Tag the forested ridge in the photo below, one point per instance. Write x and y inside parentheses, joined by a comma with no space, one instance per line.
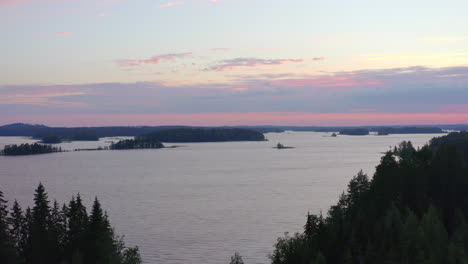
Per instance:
(414,210)
(60,234)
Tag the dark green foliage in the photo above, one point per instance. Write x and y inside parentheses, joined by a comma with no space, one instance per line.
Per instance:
(413,211)
(51,140)
(7,249)
(138,143)
(409,130)
(236,259)
(53,235)
(204,135)
(354,131)
(28,149)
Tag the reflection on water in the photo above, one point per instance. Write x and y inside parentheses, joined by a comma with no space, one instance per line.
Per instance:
(201,202)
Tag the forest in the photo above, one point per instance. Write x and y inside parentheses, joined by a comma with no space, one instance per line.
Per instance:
(60,234)
(138,143)
(413,210)
(354,131)
(28,149)
(203,135)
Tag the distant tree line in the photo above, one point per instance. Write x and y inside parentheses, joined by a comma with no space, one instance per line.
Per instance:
(203,135)
(54,234)
(138,143)
(51,140)
(413,211)
(354,131)
(29,149)
(409,130)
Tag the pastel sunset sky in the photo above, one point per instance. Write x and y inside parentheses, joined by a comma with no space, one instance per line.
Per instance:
(233,62)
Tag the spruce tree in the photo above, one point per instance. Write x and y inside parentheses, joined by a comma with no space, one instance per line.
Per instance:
(99,238)
(18,230)
(77,225)
(40,242)
(7,250)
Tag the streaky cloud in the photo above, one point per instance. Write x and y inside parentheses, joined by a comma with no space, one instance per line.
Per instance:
(250,62)
(154,59)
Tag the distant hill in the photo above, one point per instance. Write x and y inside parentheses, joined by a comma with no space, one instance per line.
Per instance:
(204,135)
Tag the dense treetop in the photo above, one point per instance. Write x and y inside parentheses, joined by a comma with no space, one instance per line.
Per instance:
(49,233)
(28,149)
(414,210)
(138,143)
(354,131)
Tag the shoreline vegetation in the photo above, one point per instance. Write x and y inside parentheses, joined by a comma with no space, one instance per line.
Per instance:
(94,133)
(413,210)
(55,233)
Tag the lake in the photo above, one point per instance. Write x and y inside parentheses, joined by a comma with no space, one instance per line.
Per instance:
(201,202)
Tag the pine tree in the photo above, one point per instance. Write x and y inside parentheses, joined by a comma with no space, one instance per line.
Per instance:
(236,259)
(40,244)
(76,226)
(57,230)
(18,229)
(7,250)
(101,245)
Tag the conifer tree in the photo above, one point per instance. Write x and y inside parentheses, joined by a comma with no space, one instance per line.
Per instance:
(18,230)
(40,236)
(7,250)
(76,226)
(99,238)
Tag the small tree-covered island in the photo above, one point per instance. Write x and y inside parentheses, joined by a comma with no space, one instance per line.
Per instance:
(28,149)
(60,234)
(414,210)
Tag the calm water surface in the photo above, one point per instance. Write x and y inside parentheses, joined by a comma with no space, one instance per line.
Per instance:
(202,201)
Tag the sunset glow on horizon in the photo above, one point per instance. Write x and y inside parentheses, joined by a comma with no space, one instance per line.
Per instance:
(233,62)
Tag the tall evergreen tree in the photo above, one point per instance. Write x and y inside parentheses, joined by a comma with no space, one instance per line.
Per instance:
(100,247)
(7,250)
(40,235)
(18,230)
(76,226)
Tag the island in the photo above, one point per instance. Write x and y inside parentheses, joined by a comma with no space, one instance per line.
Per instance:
(137,143)
(184,135)
(28,149)
(354,132)
(281,146)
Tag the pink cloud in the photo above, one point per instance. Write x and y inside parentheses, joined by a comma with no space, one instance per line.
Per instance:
(318,58)
(63,34)
(154,59)
(171,4)
(250,62)
(104,14)
(12,2)
(325,81)
(455,108)
(43,96)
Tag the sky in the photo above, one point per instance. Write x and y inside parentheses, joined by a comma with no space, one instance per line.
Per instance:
(233,62)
